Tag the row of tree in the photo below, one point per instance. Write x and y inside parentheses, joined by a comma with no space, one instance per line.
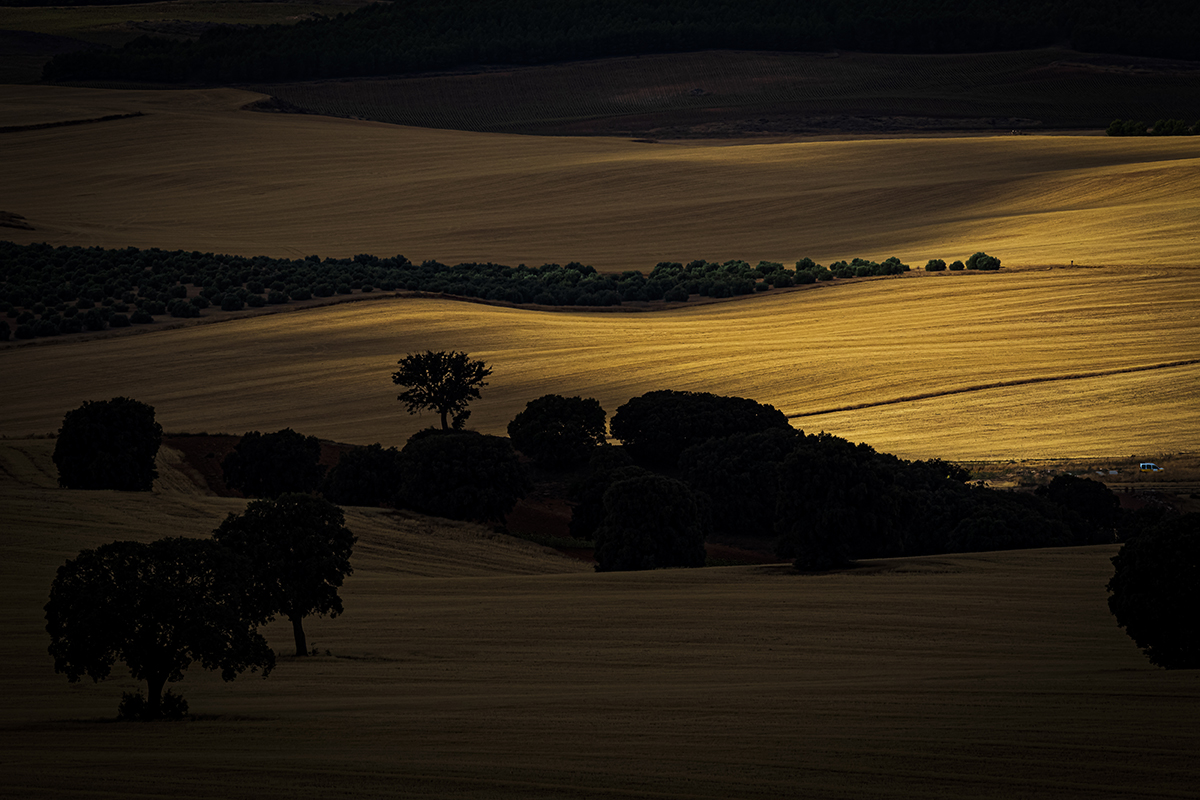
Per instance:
(422,35)
(47,291)
(1163,127)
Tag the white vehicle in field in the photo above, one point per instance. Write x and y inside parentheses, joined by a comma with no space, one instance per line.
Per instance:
(1147,466)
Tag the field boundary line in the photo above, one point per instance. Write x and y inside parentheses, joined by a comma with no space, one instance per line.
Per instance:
(997,385)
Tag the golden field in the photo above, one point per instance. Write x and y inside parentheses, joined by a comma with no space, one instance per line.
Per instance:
(1056,345)
(197,173)
(469,665)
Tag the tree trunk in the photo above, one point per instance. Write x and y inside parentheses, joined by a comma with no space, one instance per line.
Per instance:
(298,631)
(154,687)
(445,424)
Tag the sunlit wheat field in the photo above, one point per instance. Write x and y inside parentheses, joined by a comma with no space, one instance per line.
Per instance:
(1052,363)
(470,665)
(198,173)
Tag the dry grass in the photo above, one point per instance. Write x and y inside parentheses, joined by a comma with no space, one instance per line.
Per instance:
(327,372)
(197,173)
(457,672)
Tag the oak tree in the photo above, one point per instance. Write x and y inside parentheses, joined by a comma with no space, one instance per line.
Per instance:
(441,381)
(158,607)
(298,548)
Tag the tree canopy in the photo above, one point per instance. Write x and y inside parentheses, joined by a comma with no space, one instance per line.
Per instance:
(650,522)
(658,426)
(158,607)
(557,431)
(271,464)
(1156,592)
(461,475)
(441,381)
(108,444)
(298,548)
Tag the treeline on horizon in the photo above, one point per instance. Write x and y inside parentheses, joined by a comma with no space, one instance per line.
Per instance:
(49,290)
(407,36)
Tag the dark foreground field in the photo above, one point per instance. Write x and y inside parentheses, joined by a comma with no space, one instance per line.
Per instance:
(471,665)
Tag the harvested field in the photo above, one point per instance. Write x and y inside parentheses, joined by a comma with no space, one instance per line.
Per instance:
(474,667)
(198,173)
(1083,362)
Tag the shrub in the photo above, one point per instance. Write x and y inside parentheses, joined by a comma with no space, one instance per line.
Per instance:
(271,464)
(139,317)
(676,294)
(461,475)
(650,522)
(935,265)
(118,321)
(231,302)
(956,266)
(108,444)
(982,261)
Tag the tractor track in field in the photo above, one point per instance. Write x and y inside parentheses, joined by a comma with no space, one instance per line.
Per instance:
(996,385)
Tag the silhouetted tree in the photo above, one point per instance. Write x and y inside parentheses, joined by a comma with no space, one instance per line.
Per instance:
(657,426)
(444,382)
(608,466)
(650,522)
(461,475)
(298,548)
(108,444)
(270,464)
(1156,592)
(364,476)
(158,607)
(557,431)
(739,475)
(1092,502)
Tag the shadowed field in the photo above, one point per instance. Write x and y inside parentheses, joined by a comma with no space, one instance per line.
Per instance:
(725,93)
(500,671)
(197,173)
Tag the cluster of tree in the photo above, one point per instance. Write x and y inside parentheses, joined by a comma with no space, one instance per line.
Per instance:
(1163,127)
(49,291)
(161,606)
(977,261)
(819,499)
(423,35)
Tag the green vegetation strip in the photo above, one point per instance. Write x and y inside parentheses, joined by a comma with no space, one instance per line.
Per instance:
(49,291)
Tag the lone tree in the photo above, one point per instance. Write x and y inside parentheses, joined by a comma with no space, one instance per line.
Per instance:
(441,381)
(108,444)
(461,475)
(650,522)
(1156,592)
(557,431)
(271,464)
(158,607)
(298,549)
